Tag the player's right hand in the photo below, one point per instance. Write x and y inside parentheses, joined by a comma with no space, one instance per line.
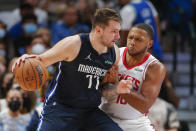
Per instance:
(124,86)
(21,59)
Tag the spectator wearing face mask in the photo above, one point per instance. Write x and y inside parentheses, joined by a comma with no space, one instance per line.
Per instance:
(46,36)
(13,120)
(15,31)
(29,26)
(37,45)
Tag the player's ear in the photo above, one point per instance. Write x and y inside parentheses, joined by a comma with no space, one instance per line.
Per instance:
(98,29)
(150,44)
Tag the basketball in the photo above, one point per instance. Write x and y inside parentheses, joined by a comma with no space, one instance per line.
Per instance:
(31,74)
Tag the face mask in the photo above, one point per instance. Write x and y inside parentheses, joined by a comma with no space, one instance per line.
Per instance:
(14,105)
(2,52)
(38,49)
(51,69)
(30,28)
(2,33)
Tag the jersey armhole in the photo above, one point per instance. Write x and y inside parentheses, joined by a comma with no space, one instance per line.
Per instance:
(146,67)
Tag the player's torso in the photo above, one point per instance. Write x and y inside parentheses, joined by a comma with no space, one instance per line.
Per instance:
(119,107)
(77,82)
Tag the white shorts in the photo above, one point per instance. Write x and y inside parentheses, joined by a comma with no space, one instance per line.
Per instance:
(138,124)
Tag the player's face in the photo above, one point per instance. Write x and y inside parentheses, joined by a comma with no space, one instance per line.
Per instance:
(110,33)
(14,95)
(138,42)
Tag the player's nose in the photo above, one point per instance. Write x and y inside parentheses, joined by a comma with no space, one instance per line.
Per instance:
(117,36)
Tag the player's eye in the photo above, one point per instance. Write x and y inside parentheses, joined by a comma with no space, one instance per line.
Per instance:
(138,39)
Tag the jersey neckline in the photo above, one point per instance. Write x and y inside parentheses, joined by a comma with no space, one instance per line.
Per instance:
(131,67)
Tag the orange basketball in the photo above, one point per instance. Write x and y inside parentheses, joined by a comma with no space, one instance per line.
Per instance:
(31,74)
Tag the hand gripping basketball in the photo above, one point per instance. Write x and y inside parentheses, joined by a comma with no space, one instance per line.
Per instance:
(29,72)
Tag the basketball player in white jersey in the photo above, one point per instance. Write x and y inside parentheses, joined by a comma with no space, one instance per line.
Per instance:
(147,74)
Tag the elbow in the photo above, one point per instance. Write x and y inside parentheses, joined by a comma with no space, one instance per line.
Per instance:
(144,109)
(145,106)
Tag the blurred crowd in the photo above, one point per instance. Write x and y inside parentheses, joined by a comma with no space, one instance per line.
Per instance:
(36,25)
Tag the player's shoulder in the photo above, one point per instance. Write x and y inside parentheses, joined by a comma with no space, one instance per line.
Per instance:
(74,38)
(72,41)
(157,67)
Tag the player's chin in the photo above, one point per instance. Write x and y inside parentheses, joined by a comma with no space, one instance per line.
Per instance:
(111,44)
(131,52)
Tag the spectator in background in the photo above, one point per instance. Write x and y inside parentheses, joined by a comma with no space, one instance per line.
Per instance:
(53,7)
(8,51)
(164,116)
(168,93)
(86,9)
(2,30)
(6,83)
(46,36)
(3,52)
(140,11)
(42,16)
(37,45)
(68,25)
(106,3)
(16,30)
(13,120)
(13,17)
(29,26)
(10,64)
(179,15)
(29,102)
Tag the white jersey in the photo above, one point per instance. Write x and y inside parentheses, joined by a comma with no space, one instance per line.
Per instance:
(118,107)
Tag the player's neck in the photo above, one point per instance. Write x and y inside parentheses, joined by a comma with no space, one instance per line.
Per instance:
(135,60)
(95,42)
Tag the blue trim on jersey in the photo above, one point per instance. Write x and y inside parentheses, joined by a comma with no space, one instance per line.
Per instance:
(49,96)
(52,92)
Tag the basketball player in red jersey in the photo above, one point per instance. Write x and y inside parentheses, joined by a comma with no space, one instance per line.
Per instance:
(147,74)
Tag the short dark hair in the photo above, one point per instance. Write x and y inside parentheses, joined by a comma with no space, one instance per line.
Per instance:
(103,15)
(27,6)
(27,17)
(147,28)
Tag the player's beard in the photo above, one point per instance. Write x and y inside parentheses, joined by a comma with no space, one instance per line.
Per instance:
(139,52)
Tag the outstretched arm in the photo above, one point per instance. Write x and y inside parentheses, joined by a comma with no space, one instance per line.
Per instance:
(65,50)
